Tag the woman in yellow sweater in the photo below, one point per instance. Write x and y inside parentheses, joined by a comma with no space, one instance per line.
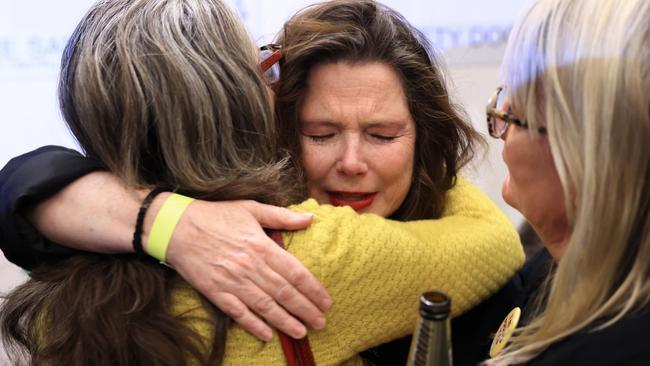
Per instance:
(118,69)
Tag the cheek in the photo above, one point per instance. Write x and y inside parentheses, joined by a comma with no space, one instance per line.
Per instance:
(316,161)
(308,160)
(506,154)
(551,186)
(401,186)
(542,202)
(312,168)
(397,171)
(533,186)
(521,155)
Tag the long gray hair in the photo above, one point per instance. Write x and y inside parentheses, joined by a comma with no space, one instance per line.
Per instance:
(169,93)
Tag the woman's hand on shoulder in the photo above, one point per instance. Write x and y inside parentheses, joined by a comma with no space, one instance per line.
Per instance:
(221,249)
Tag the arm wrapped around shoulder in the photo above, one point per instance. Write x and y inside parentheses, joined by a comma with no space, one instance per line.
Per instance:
(375,269)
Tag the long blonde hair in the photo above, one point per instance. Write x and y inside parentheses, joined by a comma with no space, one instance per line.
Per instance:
(582,69)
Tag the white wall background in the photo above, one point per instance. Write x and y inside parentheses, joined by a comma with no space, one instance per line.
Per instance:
(470,34)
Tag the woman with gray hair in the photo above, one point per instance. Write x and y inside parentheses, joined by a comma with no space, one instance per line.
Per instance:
(575,119)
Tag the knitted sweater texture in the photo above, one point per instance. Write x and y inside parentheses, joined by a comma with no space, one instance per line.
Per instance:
(375,269)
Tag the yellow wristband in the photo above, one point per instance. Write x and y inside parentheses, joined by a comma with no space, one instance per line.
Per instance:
(164,225)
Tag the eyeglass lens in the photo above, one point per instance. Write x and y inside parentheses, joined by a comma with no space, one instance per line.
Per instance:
(501,98)
(498,125)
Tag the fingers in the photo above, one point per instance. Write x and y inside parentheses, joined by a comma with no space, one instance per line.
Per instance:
(239,312)
(244,301)
(291,299)
(277,317)
(271,295)
(295,273)
(279,218)
(295,288)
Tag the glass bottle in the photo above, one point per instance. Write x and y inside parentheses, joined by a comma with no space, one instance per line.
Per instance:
(431,344)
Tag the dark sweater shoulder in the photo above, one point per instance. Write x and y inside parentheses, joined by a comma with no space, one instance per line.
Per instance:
(473,331)
(625,342)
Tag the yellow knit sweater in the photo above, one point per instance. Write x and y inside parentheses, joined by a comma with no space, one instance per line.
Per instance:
(375,269)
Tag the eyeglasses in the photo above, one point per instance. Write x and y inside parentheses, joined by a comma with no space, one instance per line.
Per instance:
(498,119)
(270,56)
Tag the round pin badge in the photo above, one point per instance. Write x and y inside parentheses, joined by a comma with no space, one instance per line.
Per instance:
(504,333)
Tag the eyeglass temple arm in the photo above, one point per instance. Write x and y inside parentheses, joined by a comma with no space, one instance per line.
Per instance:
(271,60)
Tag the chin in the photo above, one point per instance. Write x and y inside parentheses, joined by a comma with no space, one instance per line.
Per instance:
(370,210)
(506,193)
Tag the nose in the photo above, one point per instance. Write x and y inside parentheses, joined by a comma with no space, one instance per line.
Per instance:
(352,160)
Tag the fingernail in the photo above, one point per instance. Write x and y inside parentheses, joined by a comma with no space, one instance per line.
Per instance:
(320,323)
(267,335)
(326,303)
(299,332)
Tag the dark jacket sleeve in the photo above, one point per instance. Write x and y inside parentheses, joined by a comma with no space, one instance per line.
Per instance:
(25,181)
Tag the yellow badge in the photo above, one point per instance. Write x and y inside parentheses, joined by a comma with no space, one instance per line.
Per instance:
(505,331)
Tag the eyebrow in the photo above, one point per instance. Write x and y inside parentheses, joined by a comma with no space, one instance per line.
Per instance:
(370,124)
(317,122)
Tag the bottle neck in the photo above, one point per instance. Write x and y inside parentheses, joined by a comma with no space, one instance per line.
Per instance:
(431,344)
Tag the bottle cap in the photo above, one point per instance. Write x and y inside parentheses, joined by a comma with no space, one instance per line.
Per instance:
(435,305)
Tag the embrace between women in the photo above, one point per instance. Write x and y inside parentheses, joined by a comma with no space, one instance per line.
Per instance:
(359,100)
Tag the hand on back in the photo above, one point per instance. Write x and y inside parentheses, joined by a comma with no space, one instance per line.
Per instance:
(221,249)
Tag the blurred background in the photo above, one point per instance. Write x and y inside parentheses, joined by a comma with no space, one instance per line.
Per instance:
(470,36)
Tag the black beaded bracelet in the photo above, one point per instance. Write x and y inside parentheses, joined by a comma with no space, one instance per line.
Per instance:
(137,234)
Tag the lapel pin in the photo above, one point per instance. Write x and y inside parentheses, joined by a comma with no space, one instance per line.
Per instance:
(504,333)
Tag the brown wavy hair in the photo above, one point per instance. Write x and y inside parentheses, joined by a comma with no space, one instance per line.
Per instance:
(163,93)
(365,31)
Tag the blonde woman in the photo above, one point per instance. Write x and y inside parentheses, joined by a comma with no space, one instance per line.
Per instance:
(169,94)
(575,119)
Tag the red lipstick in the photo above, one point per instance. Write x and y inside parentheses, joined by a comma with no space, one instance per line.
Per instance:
(357,200)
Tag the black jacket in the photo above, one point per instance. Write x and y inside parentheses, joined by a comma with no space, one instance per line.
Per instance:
(626,342)
(26,180)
